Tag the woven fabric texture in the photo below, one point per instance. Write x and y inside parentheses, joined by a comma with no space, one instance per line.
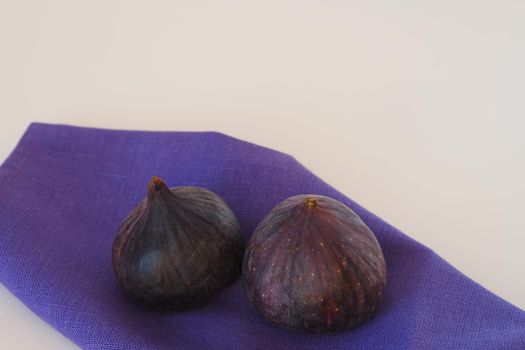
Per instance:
(64,190)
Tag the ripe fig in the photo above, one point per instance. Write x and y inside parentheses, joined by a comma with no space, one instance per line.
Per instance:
(312,264)
(177,248)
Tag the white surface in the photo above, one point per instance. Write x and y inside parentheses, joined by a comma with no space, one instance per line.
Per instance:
(413,108)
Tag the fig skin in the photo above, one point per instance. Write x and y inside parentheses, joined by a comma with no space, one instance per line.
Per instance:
(177,248)
(313,265)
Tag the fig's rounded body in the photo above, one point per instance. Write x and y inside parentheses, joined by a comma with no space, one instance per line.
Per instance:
(177,248)
(312,264)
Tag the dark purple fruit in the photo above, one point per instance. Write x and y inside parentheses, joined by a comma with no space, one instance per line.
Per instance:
(177,248)
(312,264)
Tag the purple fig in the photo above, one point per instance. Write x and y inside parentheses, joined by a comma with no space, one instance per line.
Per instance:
(177,248)
(312,264)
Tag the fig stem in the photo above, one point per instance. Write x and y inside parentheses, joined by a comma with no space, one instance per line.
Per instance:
(156,183)
(310,203)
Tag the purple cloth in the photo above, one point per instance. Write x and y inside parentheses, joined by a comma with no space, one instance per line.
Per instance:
(64,191)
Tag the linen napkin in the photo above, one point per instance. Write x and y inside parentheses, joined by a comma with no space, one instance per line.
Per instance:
(64,190)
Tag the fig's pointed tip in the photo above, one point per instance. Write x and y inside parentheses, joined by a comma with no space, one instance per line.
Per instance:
(156,184)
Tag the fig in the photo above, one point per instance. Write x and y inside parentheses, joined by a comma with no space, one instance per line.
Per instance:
(177,248)
(312,264)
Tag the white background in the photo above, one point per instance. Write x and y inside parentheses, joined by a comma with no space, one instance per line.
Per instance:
(415,109)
